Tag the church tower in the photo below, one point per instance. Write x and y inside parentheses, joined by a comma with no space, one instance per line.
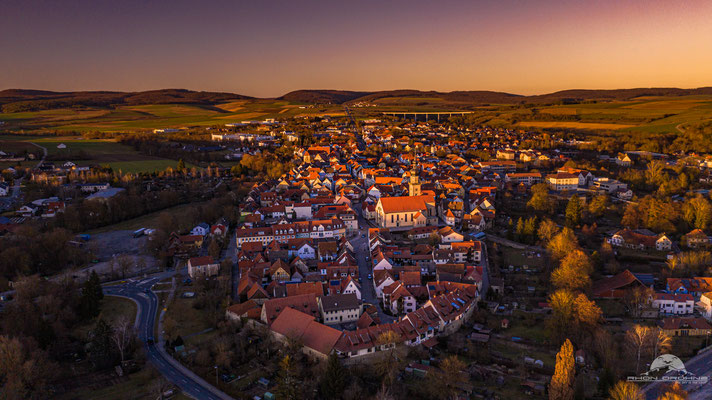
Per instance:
(414,184)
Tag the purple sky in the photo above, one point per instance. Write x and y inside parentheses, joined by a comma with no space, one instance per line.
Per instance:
(267,48)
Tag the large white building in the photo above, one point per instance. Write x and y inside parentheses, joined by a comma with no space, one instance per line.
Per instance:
(674,303)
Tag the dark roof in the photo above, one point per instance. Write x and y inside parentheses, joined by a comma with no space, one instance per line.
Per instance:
(336,302)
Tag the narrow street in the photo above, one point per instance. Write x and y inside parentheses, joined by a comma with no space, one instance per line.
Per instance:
(360,245)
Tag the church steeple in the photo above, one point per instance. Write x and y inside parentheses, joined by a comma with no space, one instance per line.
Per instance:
(414,184)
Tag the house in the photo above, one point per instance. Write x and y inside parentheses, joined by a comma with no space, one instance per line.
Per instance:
(563,181)
(609,185)
(249,309)
(623,160)
(296,289)
(318,340)
(674,326)
(615,287)
(280,271)
(340,308)
(305,303)
(398,299)
(202,266)
(525,178)
(695,286)
(201,229)
(218,229)
(92,187)
(448,235)
(705,305)
(640,240)
(344,286)
(696,239)
(674,303)
(381,279)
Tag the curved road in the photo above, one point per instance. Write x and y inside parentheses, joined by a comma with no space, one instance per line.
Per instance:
(147,306)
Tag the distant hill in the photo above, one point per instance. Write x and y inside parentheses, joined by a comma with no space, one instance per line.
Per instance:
(616,94)
(14,100)
(483,96)
(322,96)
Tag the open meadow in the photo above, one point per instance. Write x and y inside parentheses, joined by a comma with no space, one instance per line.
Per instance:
(132,118)
(84,152)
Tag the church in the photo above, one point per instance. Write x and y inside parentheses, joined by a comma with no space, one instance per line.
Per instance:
(407,212)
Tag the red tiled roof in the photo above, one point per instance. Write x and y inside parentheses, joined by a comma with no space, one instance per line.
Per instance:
(298,325)
(612,287)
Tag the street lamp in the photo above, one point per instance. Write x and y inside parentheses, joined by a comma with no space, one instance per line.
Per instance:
(216,375)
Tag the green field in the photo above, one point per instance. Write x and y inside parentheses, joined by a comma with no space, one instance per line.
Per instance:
(93,152)
(145,221)
(149,117)
(644,114)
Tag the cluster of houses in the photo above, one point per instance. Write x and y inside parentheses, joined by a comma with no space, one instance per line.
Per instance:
(310,313)
(675,307)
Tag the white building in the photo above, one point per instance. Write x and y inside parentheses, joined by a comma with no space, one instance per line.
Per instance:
(672,303)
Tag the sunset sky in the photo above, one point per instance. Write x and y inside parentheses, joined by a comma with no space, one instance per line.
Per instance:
(267,48)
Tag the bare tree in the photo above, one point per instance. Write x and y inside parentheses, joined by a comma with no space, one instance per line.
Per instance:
(638,339)
(123,335)
(159,386)
(125,263)
(661,342)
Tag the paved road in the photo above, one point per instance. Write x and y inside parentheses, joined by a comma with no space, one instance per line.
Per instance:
(147,304)
(231,253)
(7,202)
(360,245)
(700,365)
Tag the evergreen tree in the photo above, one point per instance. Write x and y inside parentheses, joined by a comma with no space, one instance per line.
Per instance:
(90,299)
(333,382)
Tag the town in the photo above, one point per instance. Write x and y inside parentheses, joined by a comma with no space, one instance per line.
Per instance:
(378,256)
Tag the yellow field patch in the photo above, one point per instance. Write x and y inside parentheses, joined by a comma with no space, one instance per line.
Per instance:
(241,117)
(170,110)
(233,105)
(559,110)
(673,105)
(572,125)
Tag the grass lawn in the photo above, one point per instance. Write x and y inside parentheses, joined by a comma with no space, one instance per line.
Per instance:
(189,320)
(139,166)
(145,221)
(139,385)
(74,144)
(518,328)
(519,258)
(112,308)
(13,164)
(517,354)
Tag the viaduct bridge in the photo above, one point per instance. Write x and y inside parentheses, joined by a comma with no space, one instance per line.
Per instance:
(427,115)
